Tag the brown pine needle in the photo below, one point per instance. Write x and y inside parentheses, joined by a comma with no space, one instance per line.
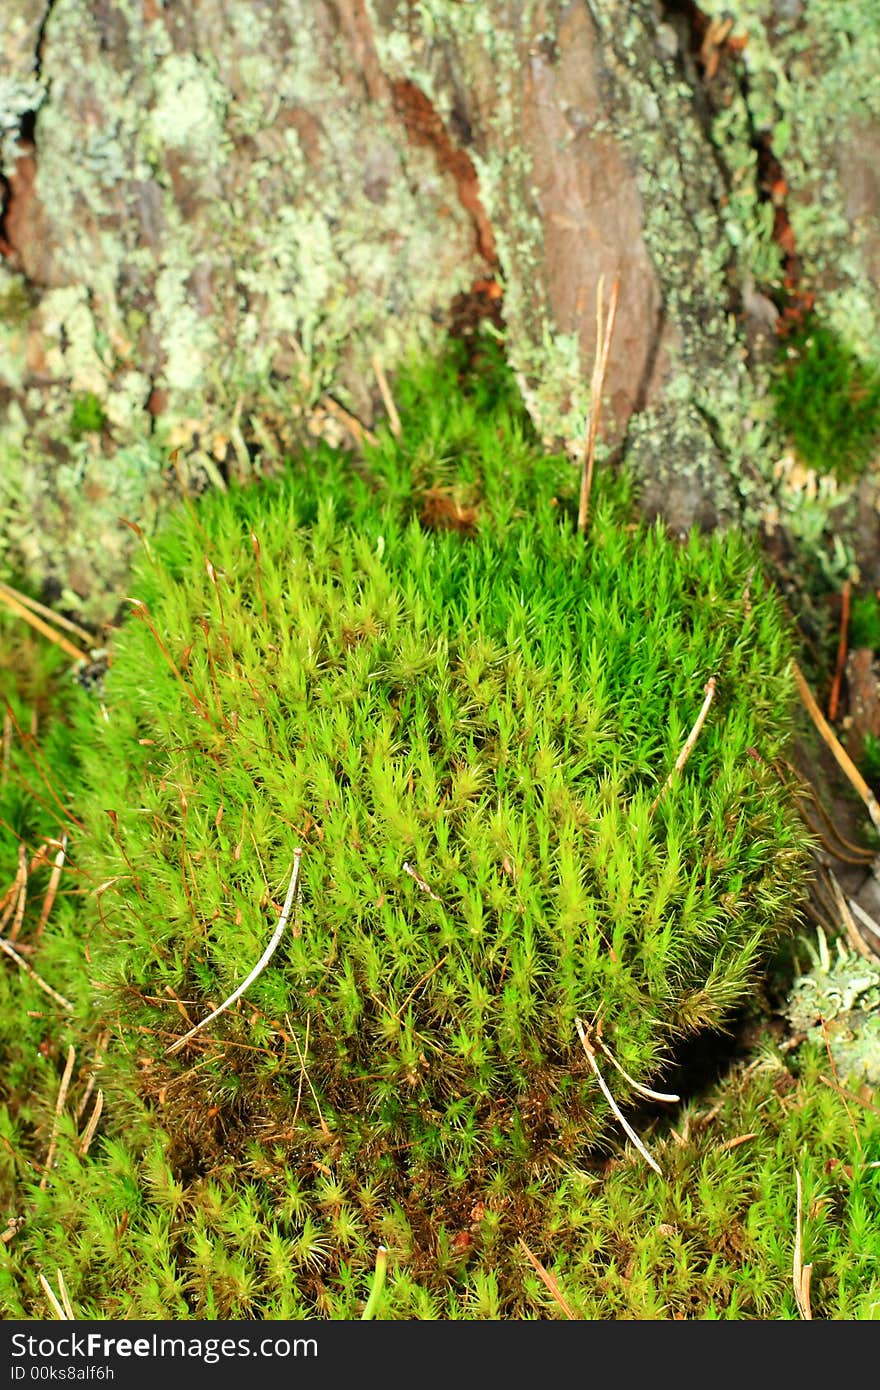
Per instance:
(61,1305)
(709,690)
(56,619)
(627,1128)
(849,1115)
(89,1131)
(52,889)
(50,1294)
(19,895)
(100,1047)
(844,761)
(801,1273)
(56,1118)
(548,1281)
(854,936)
(387,398)
(38,980)
(834,697)
(325,1129)
(738,1139)
(597,383)
(8,596)
(260,965)
(7,747)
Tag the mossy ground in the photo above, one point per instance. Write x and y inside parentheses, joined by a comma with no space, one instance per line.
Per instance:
(421,665)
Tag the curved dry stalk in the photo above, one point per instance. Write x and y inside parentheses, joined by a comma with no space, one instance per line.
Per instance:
(597,381)
(709,692)
(37,979)
(260,965)
(627,1128)
(52,889)
(56,619)
(56,1118)
(642,1090)
(12,600)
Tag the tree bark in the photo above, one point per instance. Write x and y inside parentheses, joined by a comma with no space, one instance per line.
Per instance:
(216,215)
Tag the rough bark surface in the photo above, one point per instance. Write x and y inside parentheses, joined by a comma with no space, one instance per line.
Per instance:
(215,215)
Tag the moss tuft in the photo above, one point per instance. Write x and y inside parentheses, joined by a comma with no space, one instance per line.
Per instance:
(87,415)
(828,401)
(465,729)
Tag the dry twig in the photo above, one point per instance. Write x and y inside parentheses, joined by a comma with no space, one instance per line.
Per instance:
(854,936)
(21,879)
(425,887)
(325,1129)
(61,1305)
(868,922)
(56,619)
(351,422)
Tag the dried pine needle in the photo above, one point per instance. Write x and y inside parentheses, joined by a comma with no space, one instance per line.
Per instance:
(627,1128)
(260,965)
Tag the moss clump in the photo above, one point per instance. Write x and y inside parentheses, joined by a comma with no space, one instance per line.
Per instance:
(828,401)
(864,623)
(87,415)
(465,731)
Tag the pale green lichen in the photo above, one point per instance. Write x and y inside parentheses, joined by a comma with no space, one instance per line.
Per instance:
(813,85)
(189,110)
(837,1003)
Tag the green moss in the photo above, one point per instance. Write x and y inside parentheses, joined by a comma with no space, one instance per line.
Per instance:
(496,710)
(495,702)
(828,401)
(864,622)
(87,415)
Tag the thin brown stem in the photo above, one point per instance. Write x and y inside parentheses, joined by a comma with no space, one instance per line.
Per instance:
(597,383)
(834,697)
(829,737)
